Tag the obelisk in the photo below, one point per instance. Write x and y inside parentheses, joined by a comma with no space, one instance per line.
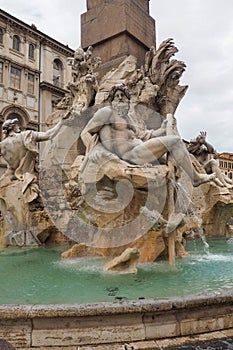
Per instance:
(117,28)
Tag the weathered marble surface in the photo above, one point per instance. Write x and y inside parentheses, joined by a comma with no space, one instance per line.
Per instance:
(84,179)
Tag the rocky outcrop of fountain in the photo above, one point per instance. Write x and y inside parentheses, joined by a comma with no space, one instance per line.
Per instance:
(111,176)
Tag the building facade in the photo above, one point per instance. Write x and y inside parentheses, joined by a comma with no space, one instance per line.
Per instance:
(225,161)
(33,74)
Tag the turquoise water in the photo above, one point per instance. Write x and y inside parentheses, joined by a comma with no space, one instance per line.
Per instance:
(39,275)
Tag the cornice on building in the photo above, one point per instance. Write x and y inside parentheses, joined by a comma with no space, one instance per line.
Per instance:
(52,88)
(32,30)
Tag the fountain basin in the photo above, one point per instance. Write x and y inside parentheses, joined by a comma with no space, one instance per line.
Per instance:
(142,323)
(55,314)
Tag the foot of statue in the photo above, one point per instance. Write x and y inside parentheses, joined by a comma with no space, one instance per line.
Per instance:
(218,182)
(221,184)
(228,185)
(203,178)
(228,180)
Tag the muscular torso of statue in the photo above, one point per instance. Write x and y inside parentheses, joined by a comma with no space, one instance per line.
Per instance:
(13,150)
(118,136)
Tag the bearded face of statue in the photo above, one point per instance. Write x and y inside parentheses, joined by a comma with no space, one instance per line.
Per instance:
(120,103)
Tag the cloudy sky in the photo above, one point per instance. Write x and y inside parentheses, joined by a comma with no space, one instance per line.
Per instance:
(203,32)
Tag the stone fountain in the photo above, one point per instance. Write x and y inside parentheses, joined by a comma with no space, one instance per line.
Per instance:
(113,168)
(115,179)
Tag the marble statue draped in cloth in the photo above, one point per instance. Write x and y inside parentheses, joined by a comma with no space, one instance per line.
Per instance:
(20,151)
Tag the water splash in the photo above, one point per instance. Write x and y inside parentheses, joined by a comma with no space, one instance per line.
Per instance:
(185,205)
(203,238)
(230,240)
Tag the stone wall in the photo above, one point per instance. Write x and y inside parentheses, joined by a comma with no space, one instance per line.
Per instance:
(145,324)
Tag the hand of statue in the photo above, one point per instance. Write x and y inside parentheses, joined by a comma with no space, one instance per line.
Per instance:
(95,156)
(203,133)
(171,120)
(164,124)
(67,114)
(68,117)
(202,137)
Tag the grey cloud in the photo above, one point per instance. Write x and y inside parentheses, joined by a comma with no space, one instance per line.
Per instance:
(203,31)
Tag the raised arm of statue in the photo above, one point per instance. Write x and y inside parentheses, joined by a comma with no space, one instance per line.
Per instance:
(19,148)
(196,145)
(49,134)
(209,147)
(100,118)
